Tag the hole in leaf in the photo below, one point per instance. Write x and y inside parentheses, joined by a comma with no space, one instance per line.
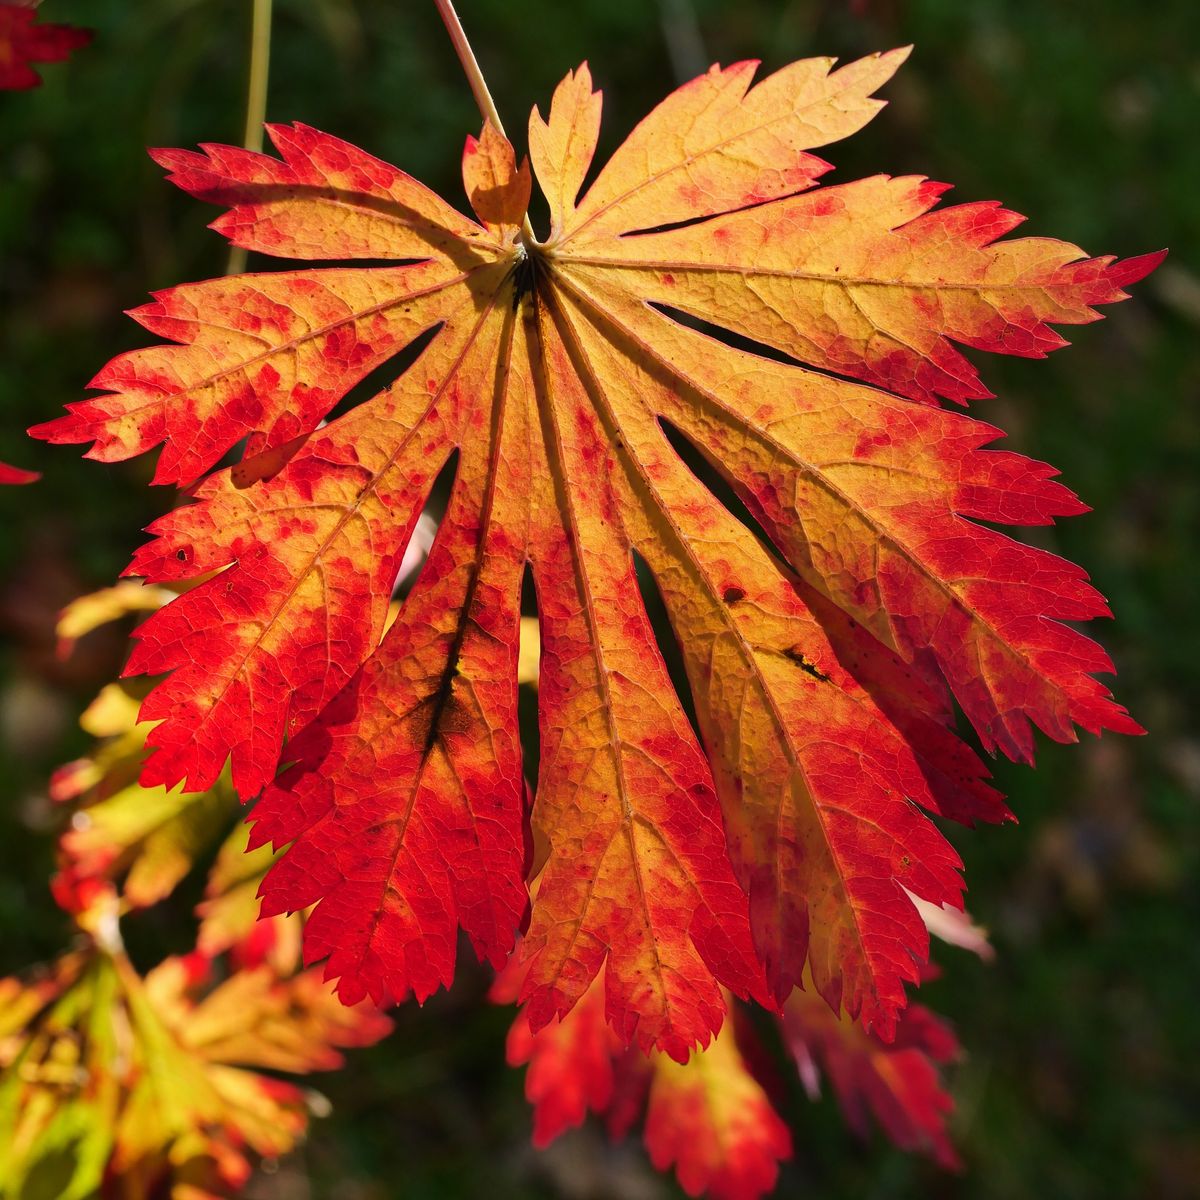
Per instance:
(258,263)
(710,476)
(420,541)
(539,213)
(688,222)
(527,694)
(384,375)
(739,341)
(664,636)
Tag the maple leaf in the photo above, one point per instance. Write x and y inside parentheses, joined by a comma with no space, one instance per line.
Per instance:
(706,332)
(23,41)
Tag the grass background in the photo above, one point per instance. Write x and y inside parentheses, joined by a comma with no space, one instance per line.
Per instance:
(1080,1077)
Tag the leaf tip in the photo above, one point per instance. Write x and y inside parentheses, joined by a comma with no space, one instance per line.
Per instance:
(17,475)
(1128,271)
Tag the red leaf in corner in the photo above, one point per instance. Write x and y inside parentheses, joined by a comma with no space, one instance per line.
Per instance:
(25,41)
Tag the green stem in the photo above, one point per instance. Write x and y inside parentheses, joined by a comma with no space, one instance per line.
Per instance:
(479,87)
(256,101)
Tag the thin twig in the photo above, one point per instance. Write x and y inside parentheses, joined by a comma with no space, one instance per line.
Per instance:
(256,102)
(685,42)
(470,65)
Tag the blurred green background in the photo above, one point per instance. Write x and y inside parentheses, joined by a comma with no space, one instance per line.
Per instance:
(1082,1074)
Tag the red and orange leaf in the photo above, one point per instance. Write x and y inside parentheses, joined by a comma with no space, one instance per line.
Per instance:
(25,41)
(898,1084)
(706,340)
(708,1118)
(571,1061)
(711,1120)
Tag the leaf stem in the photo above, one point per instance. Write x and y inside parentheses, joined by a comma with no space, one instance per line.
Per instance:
(256,101)
(470,65)
(479,87)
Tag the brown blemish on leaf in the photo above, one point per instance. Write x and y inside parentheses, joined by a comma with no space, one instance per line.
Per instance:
(796,655)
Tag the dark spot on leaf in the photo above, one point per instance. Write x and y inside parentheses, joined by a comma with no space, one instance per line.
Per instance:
(796,655)
(455,716)
(525,276)
(733,594)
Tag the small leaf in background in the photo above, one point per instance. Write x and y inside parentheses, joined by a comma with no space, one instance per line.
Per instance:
(89,612)
(145,839)
(897,1083)
(16,475)
(24,42)
(229,912)
(711,1120)
(115,1085)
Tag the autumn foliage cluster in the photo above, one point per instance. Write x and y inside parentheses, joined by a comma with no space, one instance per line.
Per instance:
(715,386)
